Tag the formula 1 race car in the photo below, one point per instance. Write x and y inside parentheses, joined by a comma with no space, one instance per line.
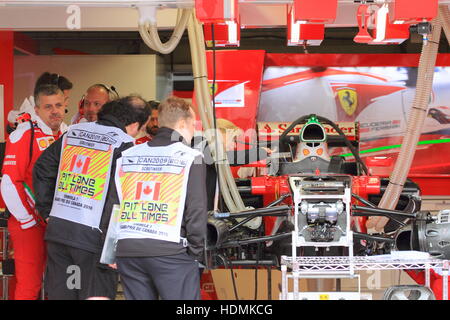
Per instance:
(318,204)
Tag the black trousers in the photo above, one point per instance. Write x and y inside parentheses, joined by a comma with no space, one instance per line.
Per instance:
(174,277)
(76,274)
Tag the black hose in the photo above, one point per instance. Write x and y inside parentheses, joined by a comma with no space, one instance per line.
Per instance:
(365,236)
(367,211)
(272,204)
(361,199)
(283,210)
(366,214)
(347,142)
(238,243)
(258,252)
(230,265)
(279,200)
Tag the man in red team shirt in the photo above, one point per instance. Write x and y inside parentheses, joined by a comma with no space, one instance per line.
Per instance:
(23,148)
(152,124)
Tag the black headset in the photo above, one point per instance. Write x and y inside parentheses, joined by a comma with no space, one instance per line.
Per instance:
(112,92)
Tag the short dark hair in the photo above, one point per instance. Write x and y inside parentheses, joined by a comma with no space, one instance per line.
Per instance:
(154,104)
(46,90)
(127,110)
(172,110)
(55,79)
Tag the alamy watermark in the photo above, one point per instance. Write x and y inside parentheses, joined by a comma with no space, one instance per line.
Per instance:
(73,21)
(73,281)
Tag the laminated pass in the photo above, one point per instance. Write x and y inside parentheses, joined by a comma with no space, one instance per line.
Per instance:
(109,248)
(151,183)
(84,172)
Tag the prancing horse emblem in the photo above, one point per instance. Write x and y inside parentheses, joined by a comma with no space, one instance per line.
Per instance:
(348,99)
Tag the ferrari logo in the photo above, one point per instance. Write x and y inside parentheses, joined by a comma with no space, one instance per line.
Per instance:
(211,90)
(348,98)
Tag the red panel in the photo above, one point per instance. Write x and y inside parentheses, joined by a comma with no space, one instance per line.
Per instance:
(432,184)
(363,35)
(312,31)
(214,11)
(221,37)
(413,11)
(397,31)
(311,11)
(183,94)
(238,85)
(209,10)
(25,44)
(346,60)
(7,70)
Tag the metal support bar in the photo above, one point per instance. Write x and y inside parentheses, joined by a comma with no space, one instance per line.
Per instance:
(284,210)
(445,271)
(237,243)
(252,263)
(284,282)
(357,210)
(5,279)
(365,236)
(269,283)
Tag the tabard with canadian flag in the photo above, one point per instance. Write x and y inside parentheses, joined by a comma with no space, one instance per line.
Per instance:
(148,190)
(152,190)
(85,171)
(80,163)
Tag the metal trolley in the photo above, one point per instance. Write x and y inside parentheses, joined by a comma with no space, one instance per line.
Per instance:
(345,267)
(4,255)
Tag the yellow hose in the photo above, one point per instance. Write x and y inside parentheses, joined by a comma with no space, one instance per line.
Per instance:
(149,33)
(228,186)
(416,119)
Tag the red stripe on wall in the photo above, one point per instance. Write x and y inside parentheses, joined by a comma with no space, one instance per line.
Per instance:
(7,70)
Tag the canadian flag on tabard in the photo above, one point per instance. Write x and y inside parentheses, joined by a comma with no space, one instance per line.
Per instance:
(80,164)
(148,190)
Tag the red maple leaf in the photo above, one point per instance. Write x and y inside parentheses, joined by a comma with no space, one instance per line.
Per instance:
(147,190)
(79,163)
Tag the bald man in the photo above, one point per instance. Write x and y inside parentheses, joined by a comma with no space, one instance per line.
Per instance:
(96,96)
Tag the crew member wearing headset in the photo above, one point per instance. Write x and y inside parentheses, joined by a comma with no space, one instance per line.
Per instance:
(96,96)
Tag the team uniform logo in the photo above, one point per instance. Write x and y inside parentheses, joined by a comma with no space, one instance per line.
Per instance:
(148,190)
(348,98)
(80,164)
(45,142)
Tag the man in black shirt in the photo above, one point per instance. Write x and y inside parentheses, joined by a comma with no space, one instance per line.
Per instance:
(75,193)
(159,247)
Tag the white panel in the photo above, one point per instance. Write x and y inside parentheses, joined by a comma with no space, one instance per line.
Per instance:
(92,19)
